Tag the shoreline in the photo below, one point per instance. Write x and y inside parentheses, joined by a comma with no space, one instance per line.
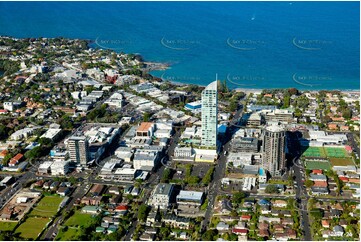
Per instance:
(161,66)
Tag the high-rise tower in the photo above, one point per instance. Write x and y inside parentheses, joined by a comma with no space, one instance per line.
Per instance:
(209,115)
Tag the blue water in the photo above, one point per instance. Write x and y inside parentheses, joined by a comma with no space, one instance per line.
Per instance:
(307,45)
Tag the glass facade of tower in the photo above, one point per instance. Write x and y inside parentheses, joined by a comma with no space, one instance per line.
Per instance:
(209,115)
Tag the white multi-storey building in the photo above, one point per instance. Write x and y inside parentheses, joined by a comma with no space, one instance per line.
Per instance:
(209,115)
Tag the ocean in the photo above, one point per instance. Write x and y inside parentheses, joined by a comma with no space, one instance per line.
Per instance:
(306,45)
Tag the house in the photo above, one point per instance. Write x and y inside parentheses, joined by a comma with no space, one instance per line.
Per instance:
(338,230)
(246,218)
(332,126)
(94,201)
(99,230)
(147,237)
(221,226)
(240,231)
(325,223)
(121,209)
(287,221)
(91,209)
(16,159)
(279,203)
(176,222)
(278,228)
(97,190)
(263,233)
(114,190)
(63,191)
(152,218)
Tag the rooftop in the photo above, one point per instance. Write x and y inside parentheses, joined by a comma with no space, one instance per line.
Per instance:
(190,195)
(144,126)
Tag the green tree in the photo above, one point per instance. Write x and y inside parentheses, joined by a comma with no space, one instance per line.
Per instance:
(309,183)
(237,197)
(146,117)
(210,235)
(271,189)
(143,212)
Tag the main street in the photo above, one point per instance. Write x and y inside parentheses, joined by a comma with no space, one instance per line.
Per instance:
(220,169)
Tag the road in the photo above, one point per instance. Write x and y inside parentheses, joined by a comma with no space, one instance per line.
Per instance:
(79,192)
(220,169)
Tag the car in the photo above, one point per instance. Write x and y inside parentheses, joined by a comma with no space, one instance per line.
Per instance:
(225,153)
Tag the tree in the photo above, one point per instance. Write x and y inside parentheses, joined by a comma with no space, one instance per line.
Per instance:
(271,189)
(209,235)
(166,175)
(146,117)
(143,212)
(208,176)
(309,183)
(317,213)
(347,113)
(237,197)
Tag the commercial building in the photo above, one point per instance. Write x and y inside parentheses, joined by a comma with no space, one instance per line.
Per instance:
(189,199)
(245,144)
(161,196)
(145,159)
(51,134)
(78,147)
(146,129)
(60,168)
(209,115)
(280,115)
(194,106)
(274,145)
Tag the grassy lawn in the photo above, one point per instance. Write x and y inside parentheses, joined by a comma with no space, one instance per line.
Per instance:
(67,235)
(341,161)
(32,227)
(47,206)
(78,219)
(7,226)
(311,165)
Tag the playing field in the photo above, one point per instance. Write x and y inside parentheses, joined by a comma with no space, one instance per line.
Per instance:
(67,235)
(46,207)
(314,152)
(313,165)
(341,161)
(31,228)
(7,226)
(79,219)
(336,152)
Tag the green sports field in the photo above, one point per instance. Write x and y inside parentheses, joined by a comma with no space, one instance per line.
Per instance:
(314,152)
(313,165)
(325,152)
(31,228)
(336,152)
(47,206)
(7,226)
(78,219)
